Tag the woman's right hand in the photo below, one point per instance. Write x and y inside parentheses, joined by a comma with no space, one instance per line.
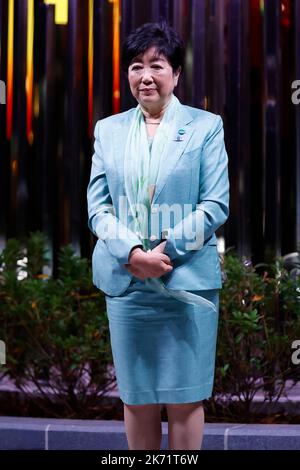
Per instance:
(148,264)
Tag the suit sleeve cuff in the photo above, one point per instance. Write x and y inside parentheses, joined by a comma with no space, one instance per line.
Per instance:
(124,259)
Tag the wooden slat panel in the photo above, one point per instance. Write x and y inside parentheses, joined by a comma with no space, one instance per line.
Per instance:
(271,104)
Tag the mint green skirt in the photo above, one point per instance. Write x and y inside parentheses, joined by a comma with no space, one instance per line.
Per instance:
(163,349)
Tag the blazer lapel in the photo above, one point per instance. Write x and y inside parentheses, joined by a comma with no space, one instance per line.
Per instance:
(175,148)
(120,132)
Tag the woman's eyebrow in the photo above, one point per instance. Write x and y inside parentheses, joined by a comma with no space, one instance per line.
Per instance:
(154,59)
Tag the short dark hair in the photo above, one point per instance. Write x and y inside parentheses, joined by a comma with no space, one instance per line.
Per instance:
(160,35)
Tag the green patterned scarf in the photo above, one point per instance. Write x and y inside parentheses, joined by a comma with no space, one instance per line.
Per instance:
(141,169)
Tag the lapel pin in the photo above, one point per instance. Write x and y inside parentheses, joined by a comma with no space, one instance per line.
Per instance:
(180,134)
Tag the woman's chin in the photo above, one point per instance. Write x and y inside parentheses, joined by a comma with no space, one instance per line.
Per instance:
(149,96)
(149,99)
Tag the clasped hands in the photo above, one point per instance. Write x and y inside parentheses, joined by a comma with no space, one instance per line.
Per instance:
(154,263)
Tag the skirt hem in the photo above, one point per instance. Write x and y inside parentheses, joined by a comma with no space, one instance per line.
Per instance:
(181,395)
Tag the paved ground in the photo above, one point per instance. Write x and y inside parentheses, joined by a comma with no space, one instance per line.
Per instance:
(52,434)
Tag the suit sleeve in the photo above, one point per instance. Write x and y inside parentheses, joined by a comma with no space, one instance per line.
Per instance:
(102,220)
(213,208)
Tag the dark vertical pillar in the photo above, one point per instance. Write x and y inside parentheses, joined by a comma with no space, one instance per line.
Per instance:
(19,161)
(218,101)
(180,24)
(198,34)
(160,10)
(256,77)
(4,147)
(127,25)
(187,75)
(141,12)
(238,126)
(83,129)
(103,59)
(76,118)
(48,182)
(271,158)
(297,58)
(214,60)
(287,132)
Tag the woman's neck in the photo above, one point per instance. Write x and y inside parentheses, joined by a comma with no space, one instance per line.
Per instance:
(155,114)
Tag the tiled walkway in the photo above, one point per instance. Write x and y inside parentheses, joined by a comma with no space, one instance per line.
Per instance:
(57,434)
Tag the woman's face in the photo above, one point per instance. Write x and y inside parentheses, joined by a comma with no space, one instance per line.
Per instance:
(151,79)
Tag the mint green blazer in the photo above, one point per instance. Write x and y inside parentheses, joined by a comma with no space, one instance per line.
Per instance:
(194,174)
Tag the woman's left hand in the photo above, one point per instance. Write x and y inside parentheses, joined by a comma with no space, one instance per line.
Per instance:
(136,272)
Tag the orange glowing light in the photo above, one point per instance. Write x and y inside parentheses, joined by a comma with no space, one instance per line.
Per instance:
(116,55)
(10,69)
(14,167)
(29,70)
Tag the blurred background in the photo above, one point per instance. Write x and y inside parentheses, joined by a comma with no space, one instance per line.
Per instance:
(60,61)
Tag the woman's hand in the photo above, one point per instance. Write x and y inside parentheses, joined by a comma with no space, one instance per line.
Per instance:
(152,263)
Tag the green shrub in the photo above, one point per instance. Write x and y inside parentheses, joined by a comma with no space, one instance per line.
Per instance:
(259,320)
(56,330)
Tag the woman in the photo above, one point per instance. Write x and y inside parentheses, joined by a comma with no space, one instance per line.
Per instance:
(157,193)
